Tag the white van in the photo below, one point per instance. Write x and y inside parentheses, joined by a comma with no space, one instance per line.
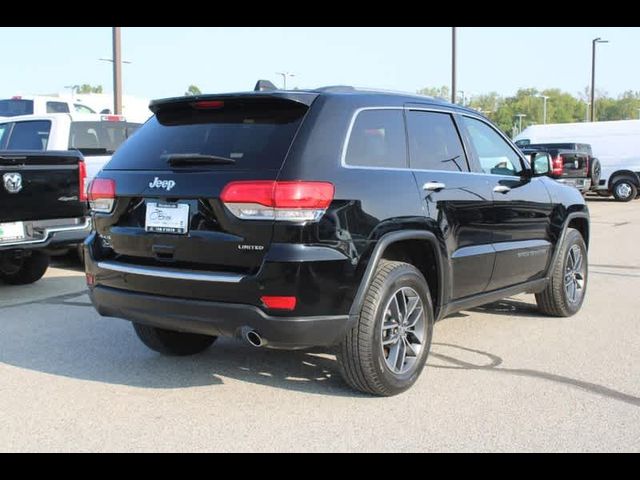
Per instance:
(616,144)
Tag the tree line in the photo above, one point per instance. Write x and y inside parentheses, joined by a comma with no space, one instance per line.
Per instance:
(562,107)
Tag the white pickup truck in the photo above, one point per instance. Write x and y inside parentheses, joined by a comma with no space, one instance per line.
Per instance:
(40,104)
(95,136)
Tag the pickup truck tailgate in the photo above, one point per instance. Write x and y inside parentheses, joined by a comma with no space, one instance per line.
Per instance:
(40,185)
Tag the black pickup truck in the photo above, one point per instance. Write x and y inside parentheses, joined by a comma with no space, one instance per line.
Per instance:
(569,163)
(42,208)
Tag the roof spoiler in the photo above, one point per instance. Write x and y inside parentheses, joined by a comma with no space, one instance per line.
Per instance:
(264,85)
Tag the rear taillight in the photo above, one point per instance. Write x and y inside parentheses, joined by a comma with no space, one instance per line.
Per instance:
(82,180)
(208,104)
(296,201)
(557,166)
(102,194)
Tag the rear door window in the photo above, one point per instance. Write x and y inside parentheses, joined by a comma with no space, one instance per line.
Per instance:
(96,138)
(434,143)
(57,107)
(250,133)
(13,107)
(33,135)
(378,140)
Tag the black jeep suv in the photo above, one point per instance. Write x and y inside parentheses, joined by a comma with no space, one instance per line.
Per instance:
(329,217)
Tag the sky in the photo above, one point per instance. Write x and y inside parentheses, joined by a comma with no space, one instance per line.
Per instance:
(165,61)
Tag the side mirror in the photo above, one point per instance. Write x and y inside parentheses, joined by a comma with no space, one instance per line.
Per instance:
(540,164)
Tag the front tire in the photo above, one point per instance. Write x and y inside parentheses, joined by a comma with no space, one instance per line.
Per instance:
(567,287)
(624,190)
(385,352)
(169,342)
(24,270)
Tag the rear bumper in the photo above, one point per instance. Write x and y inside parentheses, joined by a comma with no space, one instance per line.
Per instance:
(219,319)
(582,184)
(53,236)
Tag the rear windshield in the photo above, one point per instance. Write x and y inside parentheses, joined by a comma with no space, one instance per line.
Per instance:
(14,107)
(96,138)
(251,133)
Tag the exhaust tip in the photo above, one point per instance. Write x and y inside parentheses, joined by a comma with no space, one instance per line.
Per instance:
(254,338)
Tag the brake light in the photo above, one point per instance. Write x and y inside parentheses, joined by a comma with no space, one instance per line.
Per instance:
(279,303)
(208,104)
(16,97)
(271,200)
(102,194)
(82,179)
(112,118)
(557,166)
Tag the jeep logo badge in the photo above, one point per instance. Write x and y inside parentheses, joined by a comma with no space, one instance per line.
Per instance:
(166,184)
(12,182)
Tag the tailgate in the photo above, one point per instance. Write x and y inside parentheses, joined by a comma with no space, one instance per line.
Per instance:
(169,177)
(39,186)
(575,165)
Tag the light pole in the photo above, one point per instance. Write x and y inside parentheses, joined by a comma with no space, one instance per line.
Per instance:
(544,107)
(520,117)
(117,71)
(463,97)
(284,77)
(453,64)
(586,111)
(593,75)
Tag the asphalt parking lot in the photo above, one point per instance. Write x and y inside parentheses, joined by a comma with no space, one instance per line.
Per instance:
(499,378)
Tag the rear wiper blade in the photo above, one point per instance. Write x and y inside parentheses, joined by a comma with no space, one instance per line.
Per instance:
(175,159)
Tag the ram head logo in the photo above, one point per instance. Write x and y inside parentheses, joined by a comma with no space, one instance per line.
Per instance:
(12,182)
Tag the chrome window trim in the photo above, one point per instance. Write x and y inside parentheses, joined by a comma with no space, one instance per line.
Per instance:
(450,111)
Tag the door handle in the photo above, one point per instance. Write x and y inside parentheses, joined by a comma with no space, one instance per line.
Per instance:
(434,186)
(501,189)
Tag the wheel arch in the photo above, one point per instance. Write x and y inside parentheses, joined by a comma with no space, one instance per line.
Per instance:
(577,220)
(619,174)
(408,246)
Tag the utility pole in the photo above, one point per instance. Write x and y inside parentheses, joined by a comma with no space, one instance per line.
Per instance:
(117,72)
(453,65)
(593,75)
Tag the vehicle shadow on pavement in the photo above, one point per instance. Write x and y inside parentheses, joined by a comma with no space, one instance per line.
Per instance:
(78,344)
(509,307)
(449,360)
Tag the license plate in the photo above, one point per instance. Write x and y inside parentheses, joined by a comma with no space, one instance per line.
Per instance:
(167,217)
(10,232)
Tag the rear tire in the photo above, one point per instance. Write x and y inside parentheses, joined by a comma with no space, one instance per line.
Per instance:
(169,342)
(624,190)
(375,356)
(558,299)
(25,270)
